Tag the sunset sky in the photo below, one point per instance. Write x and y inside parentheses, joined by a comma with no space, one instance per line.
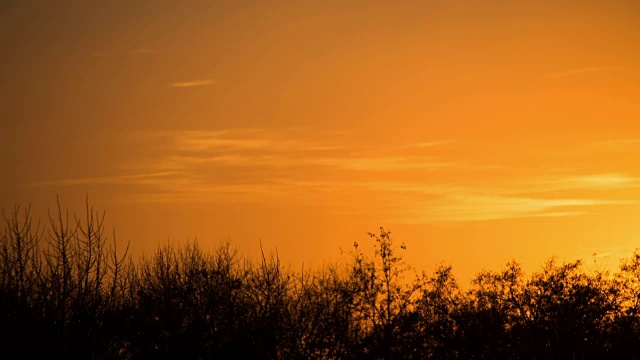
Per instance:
(476,131)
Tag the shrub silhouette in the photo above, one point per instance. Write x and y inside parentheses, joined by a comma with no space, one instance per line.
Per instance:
(60,285)
(66,291)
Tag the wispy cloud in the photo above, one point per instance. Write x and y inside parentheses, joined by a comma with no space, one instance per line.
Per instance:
(471,207)
(350,163)
(513,188)
(433,202)
(132,179)
(231,160)
(261,148)
(428,144)
(238,140)
(382,163)
(252,164)
(193,191)
(317,148)
(193,83)
(199,144)
(496,207)
(582,70)
(603,181)
(593,181)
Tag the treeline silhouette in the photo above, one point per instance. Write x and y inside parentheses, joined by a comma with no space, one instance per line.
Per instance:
(66,291)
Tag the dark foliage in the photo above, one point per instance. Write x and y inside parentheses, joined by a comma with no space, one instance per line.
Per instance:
(67,292)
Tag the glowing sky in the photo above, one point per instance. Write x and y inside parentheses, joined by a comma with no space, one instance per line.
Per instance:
(476,131)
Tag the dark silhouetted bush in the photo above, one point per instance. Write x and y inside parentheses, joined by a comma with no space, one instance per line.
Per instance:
(67,292)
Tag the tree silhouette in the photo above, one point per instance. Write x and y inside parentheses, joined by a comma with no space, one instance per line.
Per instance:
(66,291)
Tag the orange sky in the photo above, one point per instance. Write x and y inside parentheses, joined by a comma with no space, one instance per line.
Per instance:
(476,131)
